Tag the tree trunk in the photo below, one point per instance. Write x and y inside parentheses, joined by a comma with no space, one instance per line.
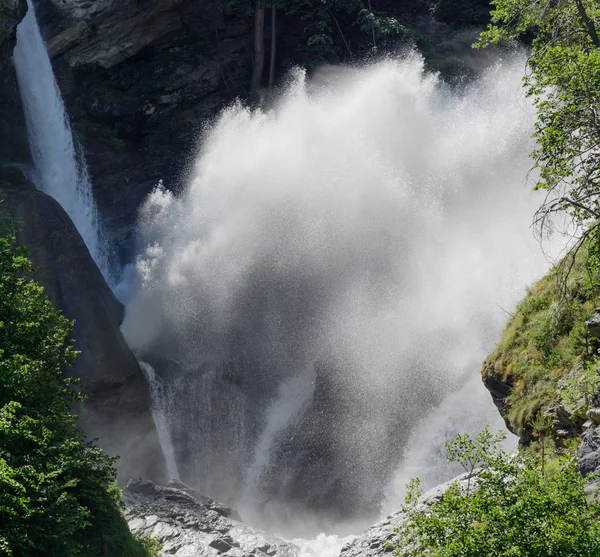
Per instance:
(373,28)
(259,47)
(273,44)
(591,28)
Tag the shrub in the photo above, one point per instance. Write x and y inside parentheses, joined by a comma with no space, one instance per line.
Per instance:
(517,508)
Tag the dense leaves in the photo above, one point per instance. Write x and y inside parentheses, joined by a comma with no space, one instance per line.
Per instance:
(514,509)
(58,495)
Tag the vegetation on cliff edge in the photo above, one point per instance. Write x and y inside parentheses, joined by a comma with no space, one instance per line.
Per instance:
(546,353)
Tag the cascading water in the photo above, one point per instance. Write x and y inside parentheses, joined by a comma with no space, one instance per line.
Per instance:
(60,170)
(360,237)
(160,413)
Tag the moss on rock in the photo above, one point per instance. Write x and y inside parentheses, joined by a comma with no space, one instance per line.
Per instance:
(547,360)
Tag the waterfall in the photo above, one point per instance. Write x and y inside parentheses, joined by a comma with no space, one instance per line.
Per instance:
(360,236)
(59,166)
(160,414)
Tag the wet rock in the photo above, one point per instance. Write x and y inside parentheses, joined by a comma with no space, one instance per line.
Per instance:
(118,397)
(594,415)
(189,524)
(593,323)
(312,461)
(11,13)
(139,79)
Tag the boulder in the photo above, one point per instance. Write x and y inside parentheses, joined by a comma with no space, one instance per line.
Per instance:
(593,323)
(594,415)
(117,409)
(191,525)
(588,452)
(564,423)
(588,460)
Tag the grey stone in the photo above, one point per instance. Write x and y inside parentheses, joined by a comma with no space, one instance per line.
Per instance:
(593,323)
(594,415)
(588,452)
(188,524)
(564,423)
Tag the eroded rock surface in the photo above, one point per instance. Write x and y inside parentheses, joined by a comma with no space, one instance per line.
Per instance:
(139,80)
(190,525)
(588,459)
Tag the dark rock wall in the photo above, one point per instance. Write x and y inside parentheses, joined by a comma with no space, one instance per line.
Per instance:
(14,146)
(117,409)
(140,79)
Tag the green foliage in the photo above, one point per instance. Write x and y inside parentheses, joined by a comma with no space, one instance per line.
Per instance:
(546,353)
(516,510)
(563,82)
(58,495)
(470,453)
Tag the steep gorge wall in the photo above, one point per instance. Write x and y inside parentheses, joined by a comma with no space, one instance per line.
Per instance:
(13,135)
(547,364)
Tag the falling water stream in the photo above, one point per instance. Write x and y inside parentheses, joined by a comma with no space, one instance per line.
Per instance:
(59,165)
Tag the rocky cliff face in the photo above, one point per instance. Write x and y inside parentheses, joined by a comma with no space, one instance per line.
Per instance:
(139,80)
(118,398)
(117,410)
(545,364)
(13,135)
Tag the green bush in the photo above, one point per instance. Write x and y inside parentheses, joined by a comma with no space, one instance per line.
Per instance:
(516,508)
(58,495)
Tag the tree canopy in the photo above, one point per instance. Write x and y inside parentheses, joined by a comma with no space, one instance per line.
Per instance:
(58,495)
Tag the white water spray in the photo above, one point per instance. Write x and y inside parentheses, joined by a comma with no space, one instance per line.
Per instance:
(292,398)
(373,222)
(60,170)
(465,411)
(160,414)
